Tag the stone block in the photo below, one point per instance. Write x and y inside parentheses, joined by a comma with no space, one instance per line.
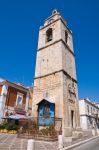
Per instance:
(97,131)
(77,134)
(67,132)
(94,133)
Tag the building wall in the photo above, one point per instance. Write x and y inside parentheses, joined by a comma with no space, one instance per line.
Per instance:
(83,122)
(9,100)
(68,62)
(89,114)
(70,98)
(49,60)
(82,107)
(12,96)
(2,100)
(0,89)
(46,88)
(30,100)
(69,41)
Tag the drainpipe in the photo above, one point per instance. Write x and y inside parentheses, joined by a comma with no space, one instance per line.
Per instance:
(27,101)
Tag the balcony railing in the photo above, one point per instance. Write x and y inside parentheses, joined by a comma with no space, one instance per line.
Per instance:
(20,109)
(94,114)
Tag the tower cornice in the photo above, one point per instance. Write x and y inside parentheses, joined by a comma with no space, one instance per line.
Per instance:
(60,40)
(55,73)
(41,28)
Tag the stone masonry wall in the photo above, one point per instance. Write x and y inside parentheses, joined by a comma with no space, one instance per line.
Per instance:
(49,85)
(49,60)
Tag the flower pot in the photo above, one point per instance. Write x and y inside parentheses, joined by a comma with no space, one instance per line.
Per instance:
(10,131)
(5,131)
(1,130)
(14,131)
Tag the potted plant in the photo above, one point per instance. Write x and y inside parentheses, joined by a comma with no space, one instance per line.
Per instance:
(3,127)
(15,128)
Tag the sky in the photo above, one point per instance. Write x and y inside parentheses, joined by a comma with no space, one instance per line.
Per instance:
(19,26)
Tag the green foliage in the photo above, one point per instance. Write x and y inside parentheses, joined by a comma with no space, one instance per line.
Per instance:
(50,130)
(15,127)
(35,125)
(6,125)
(51,127)
(1,126)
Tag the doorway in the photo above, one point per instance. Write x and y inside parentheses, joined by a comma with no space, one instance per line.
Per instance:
(72,118)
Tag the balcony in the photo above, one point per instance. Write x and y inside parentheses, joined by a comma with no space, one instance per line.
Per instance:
(95,115)
(20,109)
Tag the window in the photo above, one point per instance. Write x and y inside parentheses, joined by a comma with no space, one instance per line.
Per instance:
(72,84)
(91,110)
(49,35)
(19,99)
(88,109)
(66,37)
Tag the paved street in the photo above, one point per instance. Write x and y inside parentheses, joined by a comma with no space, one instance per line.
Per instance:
(92,145)
(11,142)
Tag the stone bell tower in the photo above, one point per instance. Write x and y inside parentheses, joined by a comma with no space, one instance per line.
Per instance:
(55,74)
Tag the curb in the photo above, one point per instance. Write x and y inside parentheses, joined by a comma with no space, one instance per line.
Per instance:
(80,143)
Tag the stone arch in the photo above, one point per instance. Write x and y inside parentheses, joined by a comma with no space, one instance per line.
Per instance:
(49,35)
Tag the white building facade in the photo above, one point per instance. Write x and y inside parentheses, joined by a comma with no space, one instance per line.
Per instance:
(89,114)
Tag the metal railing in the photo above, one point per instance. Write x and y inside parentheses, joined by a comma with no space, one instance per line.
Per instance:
(30,128)
(20,109)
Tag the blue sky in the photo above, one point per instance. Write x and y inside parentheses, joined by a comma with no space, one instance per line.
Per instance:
(19,26)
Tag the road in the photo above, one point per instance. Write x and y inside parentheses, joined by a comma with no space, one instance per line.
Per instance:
(92,145)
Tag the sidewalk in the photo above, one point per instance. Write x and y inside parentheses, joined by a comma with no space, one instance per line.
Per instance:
(79,143)
(11,142)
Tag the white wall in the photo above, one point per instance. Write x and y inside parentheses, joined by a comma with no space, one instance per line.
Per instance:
(82,107)
(2,100)
(83,122)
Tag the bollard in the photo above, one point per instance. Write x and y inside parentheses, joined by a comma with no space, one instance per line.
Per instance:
(93,132)
(31,144)
(60,141)
(97,131)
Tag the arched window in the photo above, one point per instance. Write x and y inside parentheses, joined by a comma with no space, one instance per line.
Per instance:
(49,35)
(66,37)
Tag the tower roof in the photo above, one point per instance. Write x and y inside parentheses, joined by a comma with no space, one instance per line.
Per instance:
(55,11)
(54,17)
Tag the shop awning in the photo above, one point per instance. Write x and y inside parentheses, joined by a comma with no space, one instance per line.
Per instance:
(18,116)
